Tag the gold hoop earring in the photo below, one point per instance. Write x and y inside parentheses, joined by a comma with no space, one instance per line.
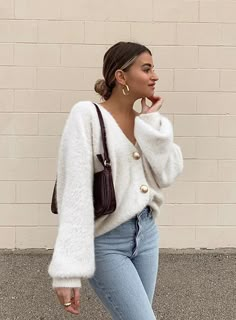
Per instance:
(127,90)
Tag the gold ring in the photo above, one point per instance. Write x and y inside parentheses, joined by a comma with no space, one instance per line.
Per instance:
(67,304)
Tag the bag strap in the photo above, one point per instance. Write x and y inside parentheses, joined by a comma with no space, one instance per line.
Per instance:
(106,161)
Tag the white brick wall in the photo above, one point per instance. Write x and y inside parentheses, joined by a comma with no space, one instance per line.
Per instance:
(50,56)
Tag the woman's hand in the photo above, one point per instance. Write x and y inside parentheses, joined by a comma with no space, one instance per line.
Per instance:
(69,295)
(157,102)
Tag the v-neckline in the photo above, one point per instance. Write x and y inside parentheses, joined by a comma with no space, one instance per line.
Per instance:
(114,120)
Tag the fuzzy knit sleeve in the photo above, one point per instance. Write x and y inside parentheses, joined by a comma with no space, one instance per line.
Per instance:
(154,134)
(73,256)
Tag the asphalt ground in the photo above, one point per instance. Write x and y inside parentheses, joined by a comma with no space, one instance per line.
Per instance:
(192,285)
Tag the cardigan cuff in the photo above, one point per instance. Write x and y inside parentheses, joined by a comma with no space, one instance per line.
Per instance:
(66,283)
(152,118)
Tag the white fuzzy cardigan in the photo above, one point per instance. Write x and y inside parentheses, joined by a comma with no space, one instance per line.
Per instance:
(160,163)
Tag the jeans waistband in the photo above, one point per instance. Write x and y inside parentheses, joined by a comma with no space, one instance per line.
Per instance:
(146,212)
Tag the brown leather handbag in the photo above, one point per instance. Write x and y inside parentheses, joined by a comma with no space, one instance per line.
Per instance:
(104,199)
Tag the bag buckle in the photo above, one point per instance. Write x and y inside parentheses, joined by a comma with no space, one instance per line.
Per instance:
(107,163)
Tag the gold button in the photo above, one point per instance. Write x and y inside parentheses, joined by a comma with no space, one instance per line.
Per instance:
(144,188)
(136,155)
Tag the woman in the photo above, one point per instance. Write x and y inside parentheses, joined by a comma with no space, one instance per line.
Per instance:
(118,252)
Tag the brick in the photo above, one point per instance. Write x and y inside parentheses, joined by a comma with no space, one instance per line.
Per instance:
(6,54)
(19,124)
(217,57)
(18,31)
(6,9)
(227,215)
(90,77)
(18,169)
(84,10)
(46,120)
(216,11)
(6,100)
(176,57)
(177,237)
(60,32)
(199,170)
(106,32)
(46,217)
(67,78)
(189,215)
(175,10)
(7,192)
(215,192)
(19,214)
(227,170)
(166,80)
(216,148)
(180,192)
(17,77)
(228,32)
(37,55)
(7,144)
(215,103)
(198,80)
(37,101)
(35,237)
(82,56)
(204,34)
(227,126)
(37,146)
(61,78)
(179,102)
(33,191)
(34,9)
(7,238)
(154,33)
(215,237)
(196,125)
(47,168)
(125,10)
(188,146)
(228,80)
(69,98)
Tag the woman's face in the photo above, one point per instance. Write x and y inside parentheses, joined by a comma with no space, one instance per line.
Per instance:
(141,77)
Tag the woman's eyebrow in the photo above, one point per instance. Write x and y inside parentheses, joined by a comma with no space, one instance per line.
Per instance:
(147,64)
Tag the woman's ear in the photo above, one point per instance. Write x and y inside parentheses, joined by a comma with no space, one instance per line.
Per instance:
(120,77)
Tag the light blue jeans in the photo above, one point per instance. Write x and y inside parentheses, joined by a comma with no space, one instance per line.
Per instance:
(126,268)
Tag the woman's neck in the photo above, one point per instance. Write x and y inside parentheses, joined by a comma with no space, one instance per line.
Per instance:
(119,104)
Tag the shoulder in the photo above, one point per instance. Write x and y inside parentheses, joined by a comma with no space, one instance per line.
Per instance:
(80,117)
(82,109)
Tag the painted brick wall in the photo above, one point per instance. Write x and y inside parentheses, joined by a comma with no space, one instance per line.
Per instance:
(50,56)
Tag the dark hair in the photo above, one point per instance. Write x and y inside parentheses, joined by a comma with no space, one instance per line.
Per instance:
(120,56)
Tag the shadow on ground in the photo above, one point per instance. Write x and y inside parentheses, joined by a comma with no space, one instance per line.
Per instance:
(192,285)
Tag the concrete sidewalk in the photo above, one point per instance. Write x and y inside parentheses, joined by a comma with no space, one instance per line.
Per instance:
(192,285)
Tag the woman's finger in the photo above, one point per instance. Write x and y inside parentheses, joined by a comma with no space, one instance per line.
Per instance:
(72,309)
(156,105)
(65,296)
(157,102)
(144,105)
(154,99)
(76,296)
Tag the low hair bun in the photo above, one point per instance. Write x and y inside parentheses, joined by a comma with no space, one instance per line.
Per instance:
(102,89)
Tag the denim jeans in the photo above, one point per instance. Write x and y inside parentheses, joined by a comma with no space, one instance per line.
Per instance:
(126,268)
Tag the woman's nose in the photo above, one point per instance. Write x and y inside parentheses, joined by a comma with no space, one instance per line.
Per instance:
(155,77)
